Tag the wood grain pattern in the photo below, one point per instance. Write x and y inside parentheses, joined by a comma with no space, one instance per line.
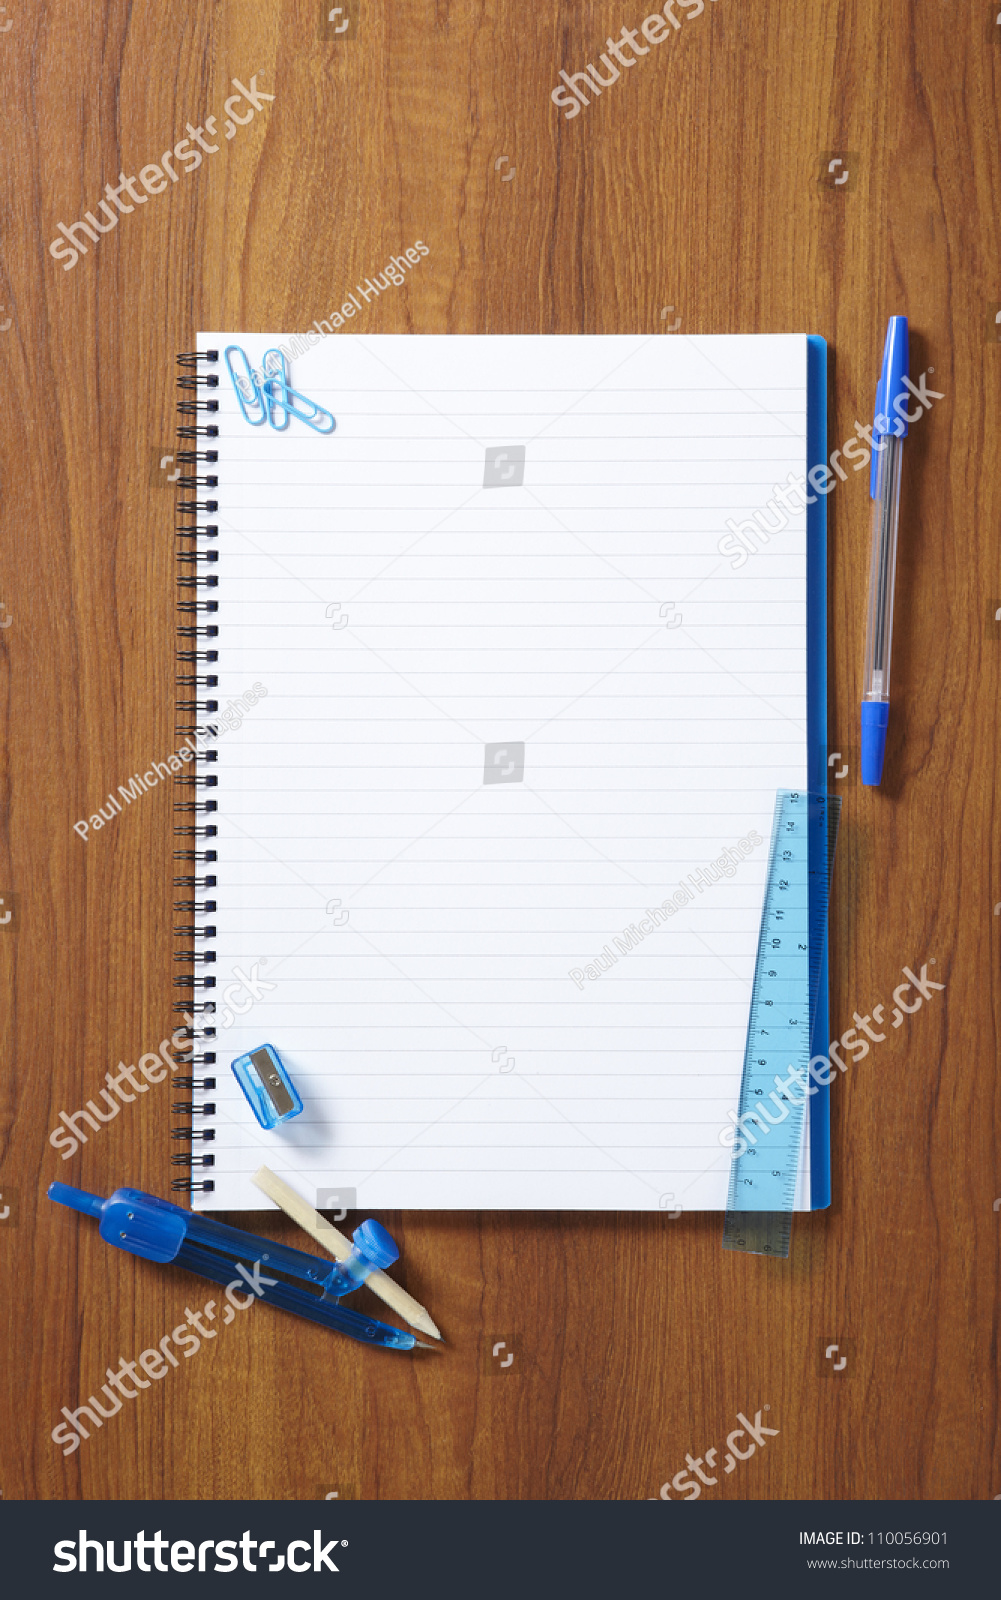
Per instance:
(692,182)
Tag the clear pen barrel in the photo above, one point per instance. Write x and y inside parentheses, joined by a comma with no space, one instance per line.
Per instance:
(882,572)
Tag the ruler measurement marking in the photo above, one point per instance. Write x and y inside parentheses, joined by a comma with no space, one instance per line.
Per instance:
(763,1180)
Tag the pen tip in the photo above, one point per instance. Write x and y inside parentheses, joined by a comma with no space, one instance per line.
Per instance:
(420,1345)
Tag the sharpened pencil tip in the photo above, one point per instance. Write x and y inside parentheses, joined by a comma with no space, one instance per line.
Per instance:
(406,1307)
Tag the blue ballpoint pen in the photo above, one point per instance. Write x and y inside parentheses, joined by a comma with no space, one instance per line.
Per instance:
(888,432)
(159,1231)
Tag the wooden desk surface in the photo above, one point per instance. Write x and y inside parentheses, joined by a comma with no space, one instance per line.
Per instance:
(692,183)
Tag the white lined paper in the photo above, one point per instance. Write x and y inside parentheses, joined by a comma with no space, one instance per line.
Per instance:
(477,616)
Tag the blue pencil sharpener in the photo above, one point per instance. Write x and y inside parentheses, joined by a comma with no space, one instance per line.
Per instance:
(272,1095)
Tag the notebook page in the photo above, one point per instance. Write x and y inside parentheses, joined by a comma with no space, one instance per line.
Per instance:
(492,846)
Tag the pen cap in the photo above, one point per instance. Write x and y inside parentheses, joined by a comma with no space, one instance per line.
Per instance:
(875,718)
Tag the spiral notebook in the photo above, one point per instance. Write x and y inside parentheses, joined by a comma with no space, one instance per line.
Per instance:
(493,687)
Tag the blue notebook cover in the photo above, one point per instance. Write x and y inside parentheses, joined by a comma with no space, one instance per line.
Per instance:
(816,690)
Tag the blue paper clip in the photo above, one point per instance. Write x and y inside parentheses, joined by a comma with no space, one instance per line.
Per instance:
(311,417)
(269,392)
(247,389)
(275,388)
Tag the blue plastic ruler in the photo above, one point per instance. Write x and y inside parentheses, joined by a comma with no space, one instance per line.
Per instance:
(787,969)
